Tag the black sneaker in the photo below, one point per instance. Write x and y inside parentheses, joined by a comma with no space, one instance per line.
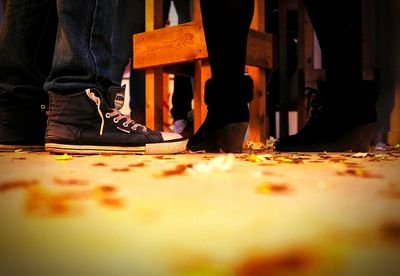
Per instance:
(85,123)
(22,124)
(336,123)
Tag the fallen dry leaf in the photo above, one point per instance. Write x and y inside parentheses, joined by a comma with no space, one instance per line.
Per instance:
(360,173)
(391,191)
(137,165)
(273,188)
(40,201)
(100,164)
(360,155)
(71,181)
(254,146)
(391,231)
(292,262)
(63,157)
(221,163)
(120,169)
(19,158)
(163,157)
(107,189)
(178,170)
(17,184)
(113,202)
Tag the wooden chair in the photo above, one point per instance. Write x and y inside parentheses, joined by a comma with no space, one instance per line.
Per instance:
(160,50)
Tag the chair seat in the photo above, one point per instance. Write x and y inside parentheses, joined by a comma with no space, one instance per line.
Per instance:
(186,43)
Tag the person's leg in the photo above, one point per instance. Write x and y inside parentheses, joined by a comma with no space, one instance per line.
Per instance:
(27,38)
(338,29)
(84,112)
(226,26)
(129,19)
(344,113)
(183,92)
(182,106)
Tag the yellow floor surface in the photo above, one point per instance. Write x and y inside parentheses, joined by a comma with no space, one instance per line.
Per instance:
(258,213)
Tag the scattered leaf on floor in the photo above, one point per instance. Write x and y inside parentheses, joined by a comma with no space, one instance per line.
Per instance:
(273,188)
(360,155)
(391,191)
(113,202)
(20,158)
(163,157)
(137,165)
(120,169)
(17,184)
(63,157)
(178,170)
(105,189)
(391,231)
(221,163)
(71,181)
(360,173)
(353,165)
(99,164)
(337,159)
(40,201)
(259,157)
(284,263)
(254,146)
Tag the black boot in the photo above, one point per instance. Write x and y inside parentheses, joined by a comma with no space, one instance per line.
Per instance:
(227,117)
(338,121)
(85,123)
(22,123)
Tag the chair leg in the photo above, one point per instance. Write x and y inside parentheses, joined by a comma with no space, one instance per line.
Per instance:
(201,75)
(258,126)
(154,98)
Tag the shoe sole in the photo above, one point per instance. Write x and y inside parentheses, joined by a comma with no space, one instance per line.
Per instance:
(11,148)
(150,149)
(356,140)
(228,139)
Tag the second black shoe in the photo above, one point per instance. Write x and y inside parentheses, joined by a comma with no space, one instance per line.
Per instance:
(342,119)
(227,117)
(22,124)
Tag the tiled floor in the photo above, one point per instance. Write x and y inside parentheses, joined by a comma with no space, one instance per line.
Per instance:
(200,214)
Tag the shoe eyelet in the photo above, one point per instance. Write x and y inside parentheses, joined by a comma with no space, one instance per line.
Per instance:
(43,107)
(125,124)
(134,128)
(115,120)
(108,115)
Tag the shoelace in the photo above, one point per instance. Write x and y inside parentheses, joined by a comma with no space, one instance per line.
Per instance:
(115,112)
(118,116)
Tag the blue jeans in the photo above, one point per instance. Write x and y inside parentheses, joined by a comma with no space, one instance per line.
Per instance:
(38,55)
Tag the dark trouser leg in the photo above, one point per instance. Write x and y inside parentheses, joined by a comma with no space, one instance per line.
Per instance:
(226,26)
(183,92)
(27,39)
(26,47)
(338,29)
(83,46)
(182,98)
(129,19)
(344,114)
